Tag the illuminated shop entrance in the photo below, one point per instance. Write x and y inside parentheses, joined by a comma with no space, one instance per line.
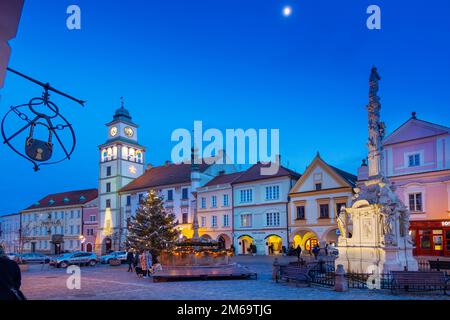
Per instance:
(244,244)
(274,245)
(430,238)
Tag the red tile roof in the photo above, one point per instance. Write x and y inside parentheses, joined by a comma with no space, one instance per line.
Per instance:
(162,176)
(254,173)
(224,179)
(63,199)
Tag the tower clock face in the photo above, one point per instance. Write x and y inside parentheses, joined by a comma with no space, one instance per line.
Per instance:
(113,131)
(129,132)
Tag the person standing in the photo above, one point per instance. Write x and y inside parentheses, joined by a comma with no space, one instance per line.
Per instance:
(298,252)
(10,279)
(130,260)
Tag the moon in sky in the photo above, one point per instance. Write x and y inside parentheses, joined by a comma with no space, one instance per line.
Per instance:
(287,11)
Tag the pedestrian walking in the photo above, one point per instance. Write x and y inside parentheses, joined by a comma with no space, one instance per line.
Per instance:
(10,279)
(315,251)
(130,260)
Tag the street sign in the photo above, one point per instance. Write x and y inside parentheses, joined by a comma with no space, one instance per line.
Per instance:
(10,12)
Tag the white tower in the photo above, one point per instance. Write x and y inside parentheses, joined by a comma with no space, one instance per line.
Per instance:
(121,161)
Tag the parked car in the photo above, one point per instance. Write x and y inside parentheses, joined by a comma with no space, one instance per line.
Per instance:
(121,255)
(33,257)
(13,256)
(78,258)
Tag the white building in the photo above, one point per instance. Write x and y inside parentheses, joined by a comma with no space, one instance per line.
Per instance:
(315,202)
(215,209)
(10,231)
(121,161)
(54,224)
(260,210)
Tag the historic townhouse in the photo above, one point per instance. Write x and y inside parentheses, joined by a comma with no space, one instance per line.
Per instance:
(90,226)
(54,224)
(417,160)
(10,231)
(315,202)
(215,209)
(260,210)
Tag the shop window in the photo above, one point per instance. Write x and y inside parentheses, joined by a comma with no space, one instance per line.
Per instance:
(425,239)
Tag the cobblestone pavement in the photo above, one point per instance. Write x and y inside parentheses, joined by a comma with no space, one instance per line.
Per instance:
(114,283)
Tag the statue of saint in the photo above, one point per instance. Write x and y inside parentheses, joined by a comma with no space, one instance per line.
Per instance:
(342,221)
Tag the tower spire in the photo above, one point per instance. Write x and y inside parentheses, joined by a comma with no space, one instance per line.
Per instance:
(376,127)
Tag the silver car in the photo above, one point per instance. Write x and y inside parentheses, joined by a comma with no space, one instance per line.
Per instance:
(77,258)
(120,255)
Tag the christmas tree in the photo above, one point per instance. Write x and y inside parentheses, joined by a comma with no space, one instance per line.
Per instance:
(152,228)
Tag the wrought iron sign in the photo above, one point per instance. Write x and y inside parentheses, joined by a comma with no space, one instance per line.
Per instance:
(41,114)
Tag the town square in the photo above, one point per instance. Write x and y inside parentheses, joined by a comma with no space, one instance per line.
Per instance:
(176,156)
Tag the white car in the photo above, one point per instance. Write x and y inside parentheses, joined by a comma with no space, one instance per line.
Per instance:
(121,255)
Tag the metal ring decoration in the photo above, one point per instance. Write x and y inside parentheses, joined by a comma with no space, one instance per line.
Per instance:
(41,119)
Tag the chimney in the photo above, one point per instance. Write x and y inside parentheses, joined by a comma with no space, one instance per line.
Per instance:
(167,162)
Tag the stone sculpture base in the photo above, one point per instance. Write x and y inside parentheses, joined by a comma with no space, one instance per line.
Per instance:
(361,259)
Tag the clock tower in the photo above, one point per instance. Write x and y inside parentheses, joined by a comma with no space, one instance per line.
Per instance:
(121,161)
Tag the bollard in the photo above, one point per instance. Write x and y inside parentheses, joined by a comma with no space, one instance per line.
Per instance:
(275,269)
(340,283)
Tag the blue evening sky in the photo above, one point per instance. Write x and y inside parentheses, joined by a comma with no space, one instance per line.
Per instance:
(231,64)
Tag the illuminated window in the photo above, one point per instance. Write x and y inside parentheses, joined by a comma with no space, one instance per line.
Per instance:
(246,220)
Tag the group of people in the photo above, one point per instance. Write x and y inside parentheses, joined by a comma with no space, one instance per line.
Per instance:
(143,263)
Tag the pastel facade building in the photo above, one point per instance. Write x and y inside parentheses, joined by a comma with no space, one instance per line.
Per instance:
(215,209)
(315,202)
(260,205)
(417,160)
(90,226)
(176,184)
(54,224)
(10,232)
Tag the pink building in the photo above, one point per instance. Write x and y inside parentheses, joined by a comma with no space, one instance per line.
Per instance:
(90,225)
(417,160)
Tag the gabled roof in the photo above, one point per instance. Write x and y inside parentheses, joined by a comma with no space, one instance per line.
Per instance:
(341,176)
(64,199)
(164,175)
(254,174)
(415,129)
(224,179)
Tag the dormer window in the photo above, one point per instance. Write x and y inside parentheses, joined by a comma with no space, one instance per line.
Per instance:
(414,160)
(66,199)
(51,201)
(82,198)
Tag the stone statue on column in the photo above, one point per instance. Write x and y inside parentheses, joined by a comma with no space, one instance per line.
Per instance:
(379,219)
